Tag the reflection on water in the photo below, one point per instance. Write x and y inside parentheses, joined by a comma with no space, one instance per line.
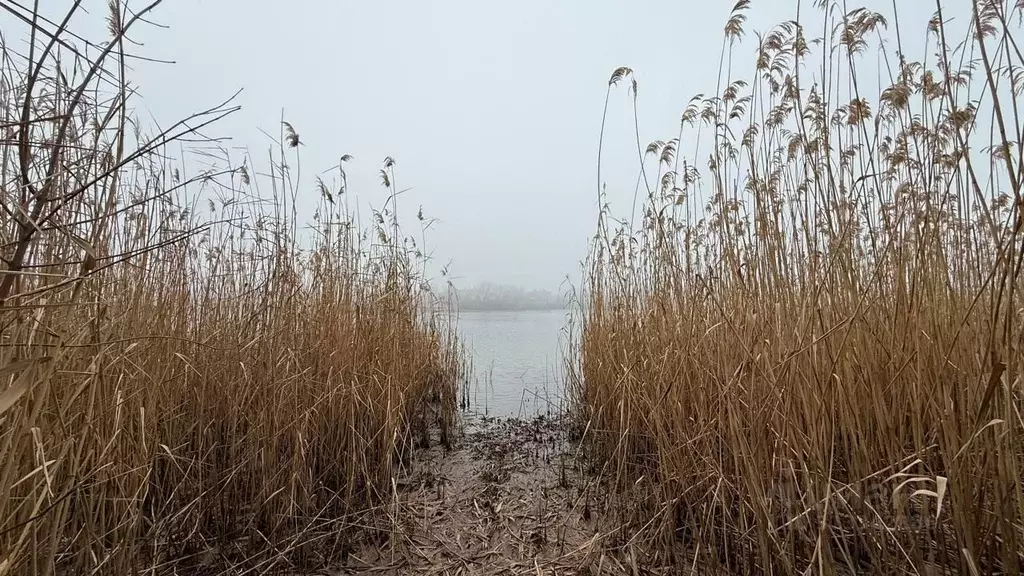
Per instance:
(517,357)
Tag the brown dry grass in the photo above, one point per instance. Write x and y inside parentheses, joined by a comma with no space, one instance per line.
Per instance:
(187,384)
(821,369)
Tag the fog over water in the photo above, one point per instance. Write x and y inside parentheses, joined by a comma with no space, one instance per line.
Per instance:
(517,362)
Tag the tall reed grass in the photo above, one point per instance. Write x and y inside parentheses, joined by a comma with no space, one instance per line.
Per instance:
(806,358)
(185,383)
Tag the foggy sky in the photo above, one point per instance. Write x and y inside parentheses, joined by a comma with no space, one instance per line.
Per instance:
(491,110)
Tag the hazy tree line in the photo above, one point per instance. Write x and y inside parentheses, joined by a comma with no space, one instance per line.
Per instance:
(490,296)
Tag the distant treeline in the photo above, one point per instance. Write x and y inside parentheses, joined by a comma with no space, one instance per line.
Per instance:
(488,296)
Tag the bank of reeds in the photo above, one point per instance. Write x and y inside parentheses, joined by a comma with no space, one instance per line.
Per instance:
(185,383)
(807,357)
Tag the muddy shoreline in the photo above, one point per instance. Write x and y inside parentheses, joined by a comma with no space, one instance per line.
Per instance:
(510,496)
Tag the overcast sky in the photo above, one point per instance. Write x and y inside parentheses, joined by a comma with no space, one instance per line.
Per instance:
(491,110)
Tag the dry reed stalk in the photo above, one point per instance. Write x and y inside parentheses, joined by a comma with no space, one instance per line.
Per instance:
(182,389)
(820,370)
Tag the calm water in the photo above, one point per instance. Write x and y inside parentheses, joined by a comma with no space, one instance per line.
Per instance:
(517,361)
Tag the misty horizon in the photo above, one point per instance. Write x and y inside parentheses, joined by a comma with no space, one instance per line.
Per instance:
(486,296)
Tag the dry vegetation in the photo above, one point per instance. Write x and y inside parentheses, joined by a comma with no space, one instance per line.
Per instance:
(187,382)
(820,368)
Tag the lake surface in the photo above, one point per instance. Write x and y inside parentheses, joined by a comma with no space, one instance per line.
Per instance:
(517,361)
